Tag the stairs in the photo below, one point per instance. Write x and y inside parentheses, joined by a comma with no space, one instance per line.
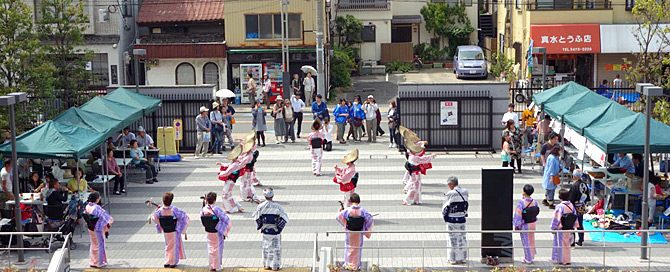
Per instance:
(486,24)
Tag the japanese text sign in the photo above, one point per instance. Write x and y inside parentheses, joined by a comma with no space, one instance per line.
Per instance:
(567,39)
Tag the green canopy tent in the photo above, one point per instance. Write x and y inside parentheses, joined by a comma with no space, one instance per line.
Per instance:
(600,113)
(560,105)
(101,123)
(625,135)
(133,99)
(559,92)
(124,113)
(54,140)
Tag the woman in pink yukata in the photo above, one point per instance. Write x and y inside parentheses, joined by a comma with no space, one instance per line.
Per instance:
(525,218)
(315,141)
(98,221)
(172,222)
(217,225)
(358,222)
(563,241)
(417,164)
(230,173)
(347,177)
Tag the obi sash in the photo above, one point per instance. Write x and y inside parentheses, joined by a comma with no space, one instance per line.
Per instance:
(91,221)
(250,166)
(168,223)
(355,223)
(272,224)
(209,222)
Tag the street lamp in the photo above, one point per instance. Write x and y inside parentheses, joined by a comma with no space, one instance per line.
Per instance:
(11,100)
(138,53)
(649,91)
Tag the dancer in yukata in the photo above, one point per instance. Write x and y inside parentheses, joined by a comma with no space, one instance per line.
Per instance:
(565,218)
(454,211)
(251,167)
(417,164)
(525,218)
(217,225)
(172,222)
(230,173)
(358,222)
(270,220)
(247,190)
(315,140)
(347,177)
(98,222)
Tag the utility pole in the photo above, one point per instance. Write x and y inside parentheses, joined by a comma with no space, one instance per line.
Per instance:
(320,59)
(285,56)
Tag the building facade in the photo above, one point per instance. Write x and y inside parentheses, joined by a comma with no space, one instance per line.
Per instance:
(389,23)
(585,41)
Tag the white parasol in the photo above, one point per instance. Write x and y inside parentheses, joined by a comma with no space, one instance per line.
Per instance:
(225,93)
(308,69)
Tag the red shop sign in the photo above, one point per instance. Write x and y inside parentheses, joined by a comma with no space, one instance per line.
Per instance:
(567,39)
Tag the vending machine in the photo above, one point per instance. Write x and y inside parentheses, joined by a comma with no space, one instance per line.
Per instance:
(256,71)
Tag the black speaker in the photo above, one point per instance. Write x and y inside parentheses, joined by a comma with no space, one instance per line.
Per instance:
(497,208)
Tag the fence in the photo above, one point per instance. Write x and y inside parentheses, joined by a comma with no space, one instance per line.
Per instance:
(393,250)
(627,96)
(403,52)
(62,255)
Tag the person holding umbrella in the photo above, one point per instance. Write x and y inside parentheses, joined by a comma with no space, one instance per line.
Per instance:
(308,85)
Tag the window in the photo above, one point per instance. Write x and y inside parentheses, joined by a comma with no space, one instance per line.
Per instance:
(99,70)
(517,4)
(401,33)
(210,74)
(185,74)
(369,33)
(268,26)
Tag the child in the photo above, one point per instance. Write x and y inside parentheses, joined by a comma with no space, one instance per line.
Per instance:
(525,216)
(315,141)
(327,131)
(505,154)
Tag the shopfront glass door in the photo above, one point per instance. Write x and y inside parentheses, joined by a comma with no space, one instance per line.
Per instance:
(256,71)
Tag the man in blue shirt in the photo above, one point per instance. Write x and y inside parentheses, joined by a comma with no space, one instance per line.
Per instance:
(319,108)
(622,164)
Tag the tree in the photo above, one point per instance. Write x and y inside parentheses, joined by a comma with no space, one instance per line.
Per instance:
(23,63)
(348,30)
(651,65)
(62,29)
(448,21)
(341,66)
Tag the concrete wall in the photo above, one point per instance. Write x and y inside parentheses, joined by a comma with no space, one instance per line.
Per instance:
(604,59)
(112,56)
(165,72)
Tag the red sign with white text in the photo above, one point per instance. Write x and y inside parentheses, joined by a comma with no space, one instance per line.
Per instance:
(567,39)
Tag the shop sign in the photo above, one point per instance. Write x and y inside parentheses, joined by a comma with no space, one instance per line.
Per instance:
(449,113)
(567,39)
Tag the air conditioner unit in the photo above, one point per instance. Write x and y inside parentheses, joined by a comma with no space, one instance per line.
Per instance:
(103,15)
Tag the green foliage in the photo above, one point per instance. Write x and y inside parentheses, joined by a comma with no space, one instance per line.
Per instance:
(62,29)
(431,53)
(649,67)
(348,30)
(501,65)
(23,63)
(341,66)
(662,110)
(448,21)
(399,66)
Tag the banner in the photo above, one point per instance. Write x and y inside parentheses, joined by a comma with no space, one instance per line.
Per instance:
(449,113)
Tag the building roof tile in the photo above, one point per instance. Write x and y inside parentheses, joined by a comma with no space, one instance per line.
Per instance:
(171,11)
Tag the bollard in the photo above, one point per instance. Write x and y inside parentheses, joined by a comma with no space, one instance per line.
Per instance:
(326,259)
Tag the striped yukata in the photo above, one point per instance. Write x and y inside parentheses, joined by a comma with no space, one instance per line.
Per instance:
(455,215)
(174,246)
(97,251)
(560,253)
(528,238)
(215,240)
(317,153)
(270,220)
(353,251)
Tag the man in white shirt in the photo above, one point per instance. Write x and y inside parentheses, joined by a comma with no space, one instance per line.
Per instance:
(370,108)
(298,105)
(144,139)
(308,84)
(123,140)
(267,89)
(6,183)
(617,82)
(510,115)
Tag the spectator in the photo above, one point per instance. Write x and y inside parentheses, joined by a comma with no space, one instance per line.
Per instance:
(380,131)
(603,89)
(123,140)
(357,115)
(258,122)
(544,129)
(144,140)
(267,90)
(228,113)
(78,184)
(551,172)
(298,106)
(114,169)
(515,145)
(251,87)
(341,114)
(288,119)
(622,164)
(547,147)
(295,85)
(54,194)
(279,123)
(510,115)
(370,108)
(394,122)
(617,82)
(138,160)
(638,162)
(308,87)
(506,153)
(6,175)
(565,218)
(579,197)
(216,117)
(34,184)
(319,108)
(203,128)
(327,130)
(110,144)
(361,102)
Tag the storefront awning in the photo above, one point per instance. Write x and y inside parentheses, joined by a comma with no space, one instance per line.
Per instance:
(621,39)
(268,50)
(567,38)
(184,50)
(406,19)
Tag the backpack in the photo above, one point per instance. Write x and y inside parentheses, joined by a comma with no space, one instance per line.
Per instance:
(529,213)
(355,223)
(568,219)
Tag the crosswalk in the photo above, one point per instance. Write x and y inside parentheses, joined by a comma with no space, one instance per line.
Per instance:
(311,204)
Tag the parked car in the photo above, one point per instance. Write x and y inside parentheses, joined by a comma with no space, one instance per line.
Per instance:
(469,62)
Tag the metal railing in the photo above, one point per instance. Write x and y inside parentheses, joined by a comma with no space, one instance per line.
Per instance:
(364,4)
(570,5)
(48,243)
(376,258)
(626,96)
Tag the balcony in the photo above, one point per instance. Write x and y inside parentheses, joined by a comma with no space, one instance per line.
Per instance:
(364,5)
(570,5)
